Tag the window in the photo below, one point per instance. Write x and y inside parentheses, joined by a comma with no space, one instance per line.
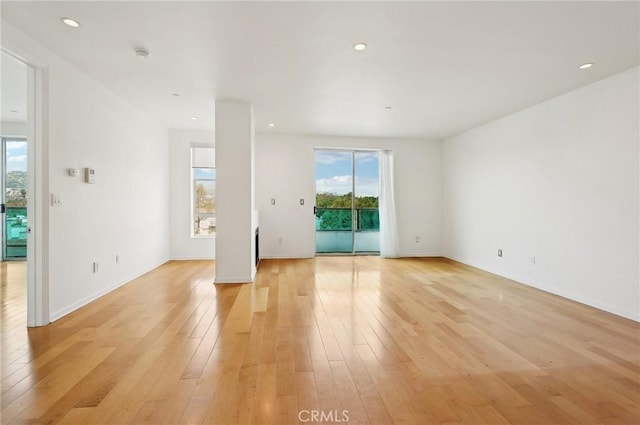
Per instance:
(203,177)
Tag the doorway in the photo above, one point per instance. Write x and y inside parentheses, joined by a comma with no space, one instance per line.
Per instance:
(346,210)
(22,170)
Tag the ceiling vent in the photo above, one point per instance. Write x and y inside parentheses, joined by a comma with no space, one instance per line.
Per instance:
(142,52)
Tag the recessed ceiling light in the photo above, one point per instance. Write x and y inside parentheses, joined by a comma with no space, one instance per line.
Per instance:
(70,22)
(359,46)
(586,65)
(13,111)
(387,107)
(194,118)
(176,95)
(271,124)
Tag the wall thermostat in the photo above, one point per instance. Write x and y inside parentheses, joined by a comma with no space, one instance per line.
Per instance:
(89,175)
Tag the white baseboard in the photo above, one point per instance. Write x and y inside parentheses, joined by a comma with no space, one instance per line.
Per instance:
(420,254)
(191,258)
(284,257)
(232,280)
(86,300)
(556,291)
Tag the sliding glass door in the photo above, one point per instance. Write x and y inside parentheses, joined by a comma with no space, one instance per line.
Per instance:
(334,202)
(14,198)
(366,236)
(347,187)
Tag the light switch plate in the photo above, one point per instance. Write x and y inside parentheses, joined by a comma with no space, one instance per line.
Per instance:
(89,175)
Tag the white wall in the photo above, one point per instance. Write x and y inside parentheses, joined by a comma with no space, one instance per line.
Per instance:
(8,128)
(558,181)
(126,212)
(183,246)
(285,170)
(235,246)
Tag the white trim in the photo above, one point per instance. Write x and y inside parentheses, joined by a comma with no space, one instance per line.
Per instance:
(297,257)
(635,316)
(410,253)
(38,168)
(37,204)
(239,280)
(86,300)
(187,258)
(41,195)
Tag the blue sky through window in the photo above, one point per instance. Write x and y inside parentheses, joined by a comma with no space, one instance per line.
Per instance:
(334,172)
(204,173)
(16,156)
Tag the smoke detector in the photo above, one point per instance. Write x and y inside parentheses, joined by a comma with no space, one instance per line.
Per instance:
(141,52)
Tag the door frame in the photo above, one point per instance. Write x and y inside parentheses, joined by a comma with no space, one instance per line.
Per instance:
(38,311)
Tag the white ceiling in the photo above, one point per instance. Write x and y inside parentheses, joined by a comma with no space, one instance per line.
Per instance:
(443,67)
(13,94)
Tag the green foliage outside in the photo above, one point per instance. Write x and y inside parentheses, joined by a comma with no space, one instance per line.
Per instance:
(205,201)
(330,200)
(333,219)
(16,186)
(368,220)
(334,212)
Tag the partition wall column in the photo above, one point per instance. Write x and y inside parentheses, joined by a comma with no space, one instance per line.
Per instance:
(235,217)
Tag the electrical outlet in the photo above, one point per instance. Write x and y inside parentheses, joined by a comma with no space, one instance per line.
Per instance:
(273,201)
(279,241)
(499,253)
(117,258)
(533,260)
(417,239)
(95,267)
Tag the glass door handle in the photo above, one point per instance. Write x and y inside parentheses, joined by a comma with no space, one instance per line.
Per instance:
(3,208)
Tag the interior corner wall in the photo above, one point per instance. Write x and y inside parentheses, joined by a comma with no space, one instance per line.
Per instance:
(125,213)
(183,245)
(285,171)
(559,182)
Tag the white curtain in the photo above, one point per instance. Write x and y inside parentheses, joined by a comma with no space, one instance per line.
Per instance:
(388,225)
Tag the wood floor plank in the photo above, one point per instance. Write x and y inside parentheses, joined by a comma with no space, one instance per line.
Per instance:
(196,410)
(404,341)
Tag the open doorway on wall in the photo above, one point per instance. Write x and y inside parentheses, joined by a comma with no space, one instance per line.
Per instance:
(347,191)
(17,200)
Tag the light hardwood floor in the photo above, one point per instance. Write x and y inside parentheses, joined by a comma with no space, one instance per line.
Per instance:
(407,341)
